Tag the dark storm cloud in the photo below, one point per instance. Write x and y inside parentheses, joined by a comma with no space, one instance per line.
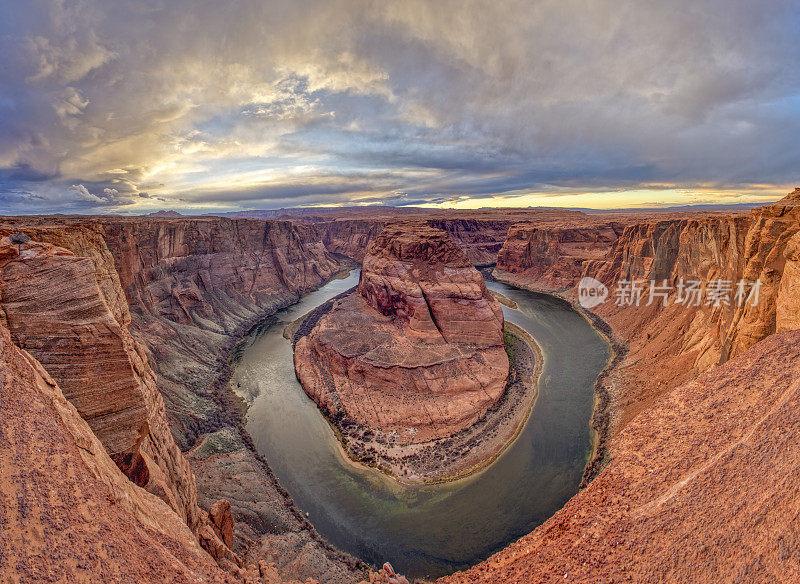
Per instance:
(302,102)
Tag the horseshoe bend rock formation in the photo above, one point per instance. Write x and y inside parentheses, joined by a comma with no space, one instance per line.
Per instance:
(417,350)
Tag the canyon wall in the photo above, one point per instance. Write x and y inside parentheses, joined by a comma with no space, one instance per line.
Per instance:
(770,256)
(67,513)
(481,234)
(69,312)
(480,239)
(194,287)
(668,345)
(349,237)
(418,350)
(701,488)
(553,257)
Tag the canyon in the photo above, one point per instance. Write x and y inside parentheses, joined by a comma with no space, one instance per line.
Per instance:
(124,451)
(177,296)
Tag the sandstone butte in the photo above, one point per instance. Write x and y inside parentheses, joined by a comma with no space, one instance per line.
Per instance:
(418,349)
(699,456)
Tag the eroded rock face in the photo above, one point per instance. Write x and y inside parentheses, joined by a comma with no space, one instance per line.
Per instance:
(768,252)
(480,239)
(701,488)
(418,350)
(752,249)
(54,308)
(480,233)
(195,285)
(787,311)
(67,312)
(553,257)
(68,513)
(209,272)
(221,519)
(420,276)
(669,345)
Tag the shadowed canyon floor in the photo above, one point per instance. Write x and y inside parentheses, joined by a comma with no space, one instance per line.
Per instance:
(697,478)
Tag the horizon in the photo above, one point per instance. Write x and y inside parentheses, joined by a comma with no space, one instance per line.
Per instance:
(113,108)
(721,207)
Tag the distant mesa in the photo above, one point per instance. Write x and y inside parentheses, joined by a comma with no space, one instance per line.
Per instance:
(171,214)
(417,352)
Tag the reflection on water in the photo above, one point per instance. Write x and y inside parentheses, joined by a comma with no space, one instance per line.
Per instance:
(434,529)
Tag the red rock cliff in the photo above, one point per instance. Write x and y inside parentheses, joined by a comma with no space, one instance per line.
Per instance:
(669,345)
(68,513)
(213,273)
(418,350)
(480,234)
(69,312)
(553,257)
(195,285)
(420,276)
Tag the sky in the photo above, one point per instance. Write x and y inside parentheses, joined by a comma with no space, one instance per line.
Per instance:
(203,106)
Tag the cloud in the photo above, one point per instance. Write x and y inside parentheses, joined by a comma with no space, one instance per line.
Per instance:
(106,197)
(84,194)
(330,101)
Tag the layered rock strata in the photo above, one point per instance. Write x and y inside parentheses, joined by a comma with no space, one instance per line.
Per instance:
(236,272)
(480,238)
(480,234)
(418,351)
(667,345)
(67,313)
(67,512)
(195,286)
(553,257)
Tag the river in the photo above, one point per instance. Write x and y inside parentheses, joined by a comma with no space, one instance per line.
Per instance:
(437,529)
